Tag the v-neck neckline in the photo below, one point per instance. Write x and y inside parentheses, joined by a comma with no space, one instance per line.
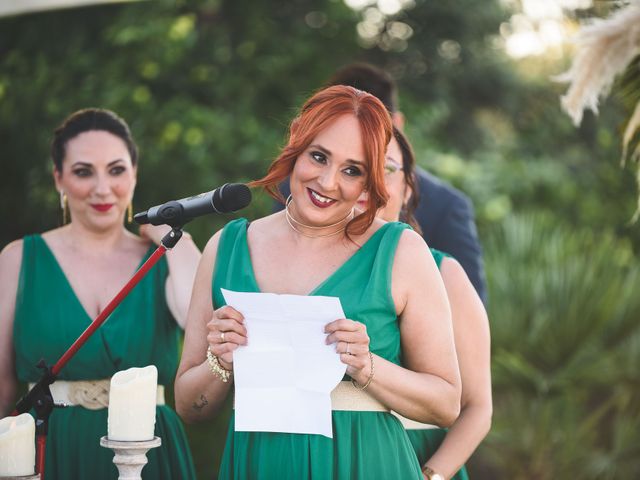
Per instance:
(323,283)
(68,283)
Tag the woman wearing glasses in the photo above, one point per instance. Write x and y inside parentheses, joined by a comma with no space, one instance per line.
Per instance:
(442,453)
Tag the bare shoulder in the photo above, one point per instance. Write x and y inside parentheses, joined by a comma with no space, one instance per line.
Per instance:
(212,244)
(11,259)
(452,271)
(10,264)
(455,278)
(204,273)
(411,247)
(412,239)
(460,290)
(414,270)
(262,225)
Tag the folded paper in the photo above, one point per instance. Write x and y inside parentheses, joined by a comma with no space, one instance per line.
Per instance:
(284,376)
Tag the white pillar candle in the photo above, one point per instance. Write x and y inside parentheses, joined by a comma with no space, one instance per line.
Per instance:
(132,404)
(17,446)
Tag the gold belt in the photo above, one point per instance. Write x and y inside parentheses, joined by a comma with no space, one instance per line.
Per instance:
(90,394)
(409,424)
(347,397)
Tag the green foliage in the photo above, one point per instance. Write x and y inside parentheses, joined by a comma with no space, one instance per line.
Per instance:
(566,342)
(450,63)
(209,87)
(532,158)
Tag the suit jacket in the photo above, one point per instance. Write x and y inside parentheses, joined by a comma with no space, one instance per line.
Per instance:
(448,224)
(447,221)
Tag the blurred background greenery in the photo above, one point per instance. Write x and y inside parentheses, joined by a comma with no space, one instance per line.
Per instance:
(208,88)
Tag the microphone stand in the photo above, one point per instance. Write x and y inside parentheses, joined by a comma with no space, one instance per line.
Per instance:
(39,397)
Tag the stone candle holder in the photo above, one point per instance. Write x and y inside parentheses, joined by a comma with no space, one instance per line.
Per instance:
(130,457)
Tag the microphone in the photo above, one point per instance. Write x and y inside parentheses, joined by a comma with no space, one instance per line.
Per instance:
(228,198)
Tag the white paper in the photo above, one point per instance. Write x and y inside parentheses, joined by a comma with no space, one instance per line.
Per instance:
(285,375)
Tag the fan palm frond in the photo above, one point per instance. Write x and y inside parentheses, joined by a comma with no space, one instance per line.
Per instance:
(566,345)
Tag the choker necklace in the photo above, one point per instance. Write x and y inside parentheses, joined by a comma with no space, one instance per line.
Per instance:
(291,220)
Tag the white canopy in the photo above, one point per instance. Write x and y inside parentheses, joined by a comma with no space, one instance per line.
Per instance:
(16,7)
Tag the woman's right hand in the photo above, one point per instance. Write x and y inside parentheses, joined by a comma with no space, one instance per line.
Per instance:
(226,333)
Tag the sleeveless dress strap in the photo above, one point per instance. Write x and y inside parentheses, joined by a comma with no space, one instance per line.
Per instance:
(438,256)
(232,269)
(28,262)
(383,265)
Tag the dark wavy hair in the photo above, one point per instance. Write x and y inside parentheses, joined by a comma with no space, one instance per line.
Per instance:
(87,120)
(369,78)
(408,169)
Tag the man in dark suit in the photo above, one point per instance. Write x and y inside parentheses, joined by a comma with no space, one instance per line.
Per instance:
(444,213)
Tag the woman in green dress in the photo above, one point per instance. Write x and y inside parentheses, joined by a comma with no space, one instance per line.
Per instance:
(55,284)
(442,453)
(384,276)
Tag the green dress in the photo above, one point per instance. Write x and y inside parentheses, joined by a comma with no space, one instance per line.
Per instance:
(426,442)
(365,445)
(140,332)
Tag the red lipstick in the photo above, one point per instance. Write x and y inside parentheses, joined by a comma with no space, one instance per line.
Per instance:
(102,207)
(317,202)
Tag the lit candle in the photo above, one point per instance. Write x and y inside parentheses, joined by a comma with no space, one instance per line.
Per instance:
(132,404)
(17,446)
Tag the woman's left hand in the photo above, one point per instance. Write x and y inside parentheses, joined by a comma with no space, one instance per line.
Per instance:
(155,233)
(352,343)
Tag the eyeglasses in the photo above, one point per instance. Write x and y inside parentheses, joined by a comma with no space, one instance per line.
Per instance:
(391,167)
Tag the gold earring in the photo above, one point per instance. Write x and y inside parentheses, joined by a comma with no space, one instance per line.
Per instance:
(64,205)
(130,212)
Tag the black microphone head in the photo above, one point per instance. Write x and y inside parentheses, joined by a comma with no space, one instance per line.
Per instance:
(231,197)
(141,218)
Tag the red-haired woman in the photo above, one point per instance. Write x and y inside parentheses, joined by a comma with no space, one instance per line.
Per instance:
(387,282)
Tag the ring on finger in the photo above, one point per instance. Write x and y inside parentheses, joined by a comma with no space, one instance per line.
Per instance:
(222,337)
(348,345)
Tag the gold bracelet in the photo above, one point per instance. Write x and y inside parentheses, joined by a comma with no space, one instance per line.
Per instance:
(355,384)
(431,474)
(215,367)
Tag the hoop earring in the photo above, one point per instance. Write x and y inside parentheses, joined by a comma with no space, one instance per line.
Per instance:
(130,212)
(64,205)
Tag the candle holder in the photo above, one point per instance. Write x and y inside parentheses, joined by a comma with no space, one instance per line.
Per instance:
(23,477)
(130,457)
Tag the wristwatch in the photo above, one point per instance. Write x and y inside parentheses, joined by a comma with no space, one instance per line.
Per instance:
(431,475)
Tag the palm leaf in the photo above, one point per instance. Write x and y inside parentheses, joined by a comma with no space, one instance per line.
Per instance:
(566,345)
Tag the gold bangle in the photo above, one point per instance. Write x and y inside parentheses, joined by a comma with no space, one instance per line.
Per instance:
(216,368)
(431,474)
(355,384)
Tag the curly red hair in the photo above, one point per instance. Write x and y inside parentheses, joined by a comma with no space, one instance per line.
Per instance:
(323,108)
